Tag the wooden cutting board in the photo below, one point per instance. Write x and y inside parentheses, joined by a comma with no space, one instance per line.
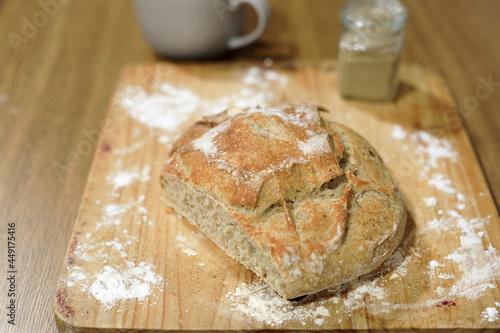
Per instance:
(134,265)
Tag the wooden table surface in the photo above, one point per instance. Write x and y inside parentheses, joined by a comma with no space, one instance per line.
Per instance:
(55,84)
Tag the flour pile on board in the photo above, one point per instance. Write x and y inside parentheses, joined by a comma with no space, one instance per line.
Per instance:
(399,133)
(116,284)
(259,302)
(490,315)
(431,201)
(171,106)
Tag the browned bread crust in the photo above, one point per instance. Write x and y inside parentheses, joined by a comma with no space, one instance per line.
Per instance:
(305,203)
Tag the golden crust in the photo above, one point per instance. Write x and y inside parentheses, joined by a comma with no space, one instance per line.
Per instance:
(255,159)
(312,195)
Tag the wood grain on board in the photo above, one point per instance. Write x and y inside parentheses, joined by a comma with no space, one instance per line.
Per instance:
(194,289)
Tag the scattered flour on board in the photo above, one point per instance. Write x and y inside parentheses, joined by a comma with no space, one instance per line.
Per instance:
(397,264)
(125,178)
(399,133)
(259,302)
(427,147)
(118,279)
(89,250)
(433,147)
(165,109)
(433,264)
(129,149)
(431,201)
(319,321)
(180,238)
(190,252)
(112,212)
(441,183)
(186,243)
(113,283)
(171,106)
(75,277)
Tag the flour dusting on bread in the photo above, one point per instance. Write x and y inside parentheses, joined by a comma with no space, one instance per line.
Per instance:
(316,141)
(206,142)
(315,144)
(303,202)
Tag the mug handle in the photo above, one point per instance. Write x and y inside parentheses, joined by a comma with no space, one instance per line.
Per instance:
(261,7)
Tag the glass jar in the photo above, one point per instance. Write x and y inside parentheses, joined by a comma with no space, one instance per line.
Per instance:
(369,48)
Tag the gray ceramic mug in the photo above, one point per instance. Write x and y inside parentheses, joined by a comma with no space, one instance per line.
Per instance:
(198,29)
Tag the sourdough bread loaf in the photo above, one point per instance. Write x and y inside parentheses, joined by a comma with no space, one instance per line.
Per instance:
(303,202)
